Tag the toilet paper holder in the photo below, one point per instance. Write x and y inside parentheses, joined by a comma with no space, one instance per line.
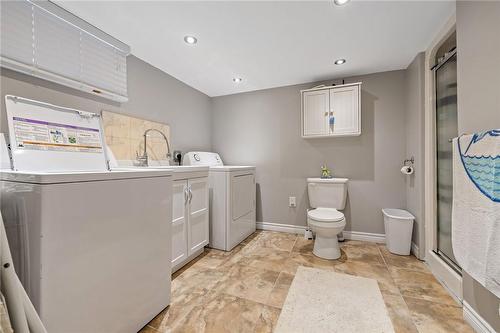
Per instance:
(409,162)
(407,168)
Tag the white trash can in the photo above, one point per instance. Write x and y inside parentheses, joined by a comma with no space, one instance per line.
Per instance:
(398,229)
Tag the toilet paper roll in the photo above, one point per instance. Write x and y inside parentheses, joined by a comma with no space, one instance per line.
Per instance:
(407,170)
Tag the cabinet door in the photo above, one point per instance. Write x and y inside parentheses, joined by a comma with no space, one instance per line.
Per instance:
(198,214)
(179,222)
(345,108)
(316,105)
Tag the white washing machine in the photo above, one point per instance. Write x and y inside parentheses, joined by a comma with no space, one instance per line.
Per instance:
(232,199)
(92,247)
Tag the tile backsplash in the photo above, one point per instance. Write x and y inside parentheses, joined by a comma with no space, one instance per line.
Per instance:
(125,137)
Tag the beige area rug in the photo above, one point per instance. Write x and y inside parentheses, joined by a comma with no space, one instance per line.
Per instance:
(324,301)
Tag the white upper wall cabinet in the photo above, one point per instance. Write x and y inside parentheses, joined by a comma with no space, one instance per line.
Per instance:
(331,111)
(316,105)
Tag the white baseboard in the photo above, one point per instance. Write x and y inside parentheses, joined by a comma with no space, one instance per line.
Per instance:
(450,279)
(364,236)
(415,250)
(299,229)
(292,229)
(475,320)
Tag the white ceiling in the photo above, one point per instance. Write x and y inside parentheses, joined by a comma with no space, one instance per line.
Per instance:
(268,44)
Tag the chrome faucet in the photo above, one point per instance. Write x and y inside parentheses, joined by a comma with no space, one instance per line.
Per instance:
(143,159)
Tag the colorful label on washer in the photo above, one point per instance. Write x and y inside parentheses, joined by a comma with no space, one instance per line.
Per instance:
(44,135)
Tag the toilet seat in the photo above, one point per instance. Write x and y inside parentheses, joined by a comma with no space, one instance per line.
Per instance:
(326,224)
(325,215)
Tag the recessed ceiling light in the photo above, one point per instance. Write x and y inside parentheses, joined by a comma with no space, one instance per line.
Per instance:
(339,61)
(237,79)
(340,2)
(190,40)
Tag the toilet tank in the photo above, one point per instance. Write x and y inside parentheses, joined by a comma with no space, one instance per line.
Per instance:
(327,193)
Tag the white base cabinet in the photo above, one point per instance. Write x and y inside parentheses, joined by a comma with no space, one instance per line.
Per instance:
(331,111)
(190,229)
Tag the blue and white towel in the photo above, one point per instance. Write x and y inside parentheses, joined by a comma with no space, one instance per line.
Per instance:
(476,206)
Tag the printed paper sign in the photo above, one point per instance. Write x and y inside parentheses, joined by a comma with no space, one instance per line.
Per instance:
(43,135)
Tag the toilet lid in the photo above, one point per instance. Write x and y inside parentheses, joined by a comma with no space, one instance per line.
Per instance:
(325,215)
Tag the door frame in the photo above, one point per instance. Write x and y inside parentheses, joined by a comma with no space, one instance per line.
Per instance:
(443,272)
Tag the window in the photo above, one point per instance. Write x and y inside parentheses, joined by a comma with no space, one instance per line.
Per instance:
(41,39)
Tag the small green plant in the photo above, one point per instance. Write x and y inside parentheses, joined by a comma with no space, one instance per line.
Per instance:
(325,172)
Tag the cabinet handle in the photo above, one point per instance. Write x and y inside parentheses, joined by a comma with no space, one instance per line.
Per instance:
(186,195)
(190,194)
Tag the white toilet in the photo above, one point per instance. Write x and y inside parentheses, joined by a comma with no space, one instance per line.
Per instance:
(325,197)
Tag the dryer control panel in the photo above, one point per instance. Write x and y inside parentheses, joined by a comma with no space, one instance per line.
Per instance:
(202,158)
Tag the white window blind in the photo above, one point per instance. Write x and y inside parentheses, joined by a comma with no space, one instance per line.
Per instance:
(16,31)
(97,59)
(41,39)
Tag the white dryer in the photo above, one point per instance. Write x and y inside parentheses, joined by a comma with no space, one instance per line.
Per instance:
(91,246)
(232,199)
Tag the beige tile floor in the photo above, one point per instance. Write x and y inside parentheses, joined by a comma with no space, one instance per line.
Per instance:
(244,290)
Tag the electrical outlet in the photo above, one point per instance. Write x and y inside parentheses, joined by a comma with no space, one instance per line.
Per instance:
(292,202)
(308,234)
(177,156)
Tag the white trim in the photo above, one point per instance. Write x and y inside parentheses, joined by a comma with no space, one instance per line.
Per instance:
(450,279)
(475,320)
(336,86)
(300,229)
(289,228)
(364,236)
(415,250)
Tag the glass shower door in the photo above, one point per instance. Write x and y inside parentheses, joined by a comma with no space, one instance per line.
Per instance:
(446,130)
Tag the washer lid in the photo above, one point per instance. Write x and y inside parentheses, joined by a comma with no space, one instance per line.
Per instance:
(49,138)
(325,215)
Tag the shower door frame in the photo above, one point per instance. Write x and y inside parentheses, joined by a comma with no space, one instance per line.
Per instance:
(436,249)
(439,267)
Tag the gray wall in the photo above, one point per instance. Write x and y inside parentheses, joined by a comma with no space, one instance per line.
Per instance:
(153,95)
(415,106)
(262,128)
(478,48)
